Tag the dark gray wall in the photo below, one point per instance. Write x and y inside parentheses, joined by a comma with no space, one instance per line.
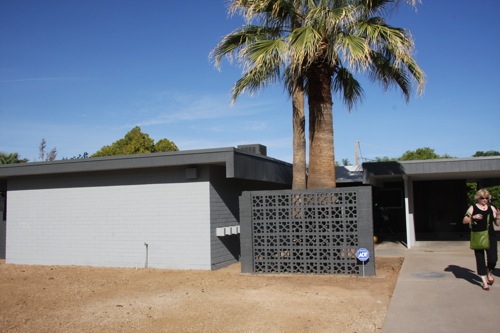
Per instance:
(225,211)
(3,227)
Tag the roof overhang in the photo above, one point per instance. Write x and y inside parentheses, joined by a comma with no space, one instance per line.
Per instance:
(470,169)
(238,163)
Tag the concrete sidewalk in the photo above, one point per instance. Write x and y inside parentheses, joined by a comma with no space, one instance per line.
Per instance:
(438,290)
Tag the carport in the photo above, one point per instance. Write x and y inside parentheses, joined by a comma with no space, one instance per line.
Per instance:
(427,199)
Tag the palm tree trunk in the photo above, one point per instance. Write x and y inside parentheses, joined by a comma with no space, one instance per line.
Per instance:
(299,181)
(321,153)
(299,137)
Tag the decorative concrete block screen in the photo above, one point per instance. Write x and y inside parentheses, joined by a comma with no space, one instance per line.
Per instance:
(307,231)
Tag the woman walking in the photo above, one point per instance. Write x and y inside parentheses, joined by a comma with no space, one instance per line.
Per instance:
(481,216)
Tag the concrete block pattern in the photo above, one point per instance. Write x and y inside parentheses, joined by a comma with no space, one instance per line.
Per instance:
(309,231)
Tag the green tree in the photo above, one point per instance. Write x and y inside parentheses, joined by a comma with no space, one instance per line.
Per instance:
(471,192)
(345,162)
(79,157)
(332,41)
(495,195)
(472,188)
(486,153)
(165,145)
(384,159)
(425,153)
(135,142)
(11,158)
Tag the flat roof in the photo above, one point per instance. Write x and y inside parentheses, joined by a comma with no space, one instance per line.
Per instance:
(239,163)
(473,168)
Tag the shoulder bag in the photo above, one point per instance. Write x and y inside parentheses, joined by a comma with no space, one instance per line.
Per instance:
(480,240)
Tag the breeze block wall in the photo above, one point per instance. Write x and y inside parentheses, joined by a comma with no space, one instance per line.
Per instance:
(307,231)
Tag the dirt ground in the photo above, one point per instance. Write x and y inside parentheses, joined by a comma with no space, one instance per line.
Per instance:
(90,299)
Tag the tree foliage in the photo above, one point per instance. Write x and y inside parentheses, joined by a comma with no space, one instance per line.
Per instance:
(136,142)
(384,159)
(425,153)
(486,153)
(472,189)
(495,195)
(165,145)
(11,158)
(79,157)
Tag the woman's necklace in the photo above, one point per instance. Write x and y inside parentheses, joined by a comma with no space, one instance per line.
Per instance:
(482,207)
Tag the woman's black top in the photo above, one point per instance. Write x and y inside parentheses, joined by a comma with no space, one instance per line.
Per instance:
(480,225)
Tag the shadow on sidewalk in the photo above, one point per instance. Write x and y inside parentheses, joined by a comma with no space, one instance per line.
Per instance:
(464,273)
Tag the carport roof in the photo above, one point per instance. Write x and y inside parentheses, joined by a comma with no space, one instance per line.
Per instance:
(239,163)
(441,169)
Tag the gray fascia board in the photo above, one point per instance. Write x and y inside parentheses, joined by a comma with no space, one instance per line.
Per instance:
(220,156)
(476,164)
(479,167)
(262,168)
(238,164)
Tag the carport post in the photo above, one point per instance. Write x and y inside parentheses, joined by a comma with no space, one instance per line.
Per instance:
(409,209)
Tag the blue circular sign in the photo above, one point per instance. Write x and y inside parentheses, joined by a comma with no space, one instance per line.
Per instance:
(363,254)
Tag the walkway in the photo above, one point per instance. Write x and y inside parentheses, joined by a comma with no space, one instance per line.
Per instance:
(438,291)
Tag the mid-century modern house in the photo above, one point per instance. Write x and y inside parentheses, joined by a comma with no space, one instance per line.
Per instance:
(180,210)
(174,210)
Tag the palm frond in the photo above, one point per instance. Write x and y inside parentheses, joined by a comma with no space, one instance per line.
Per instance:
(416,72)
(383,7)
(305,43)
(233,42)
(265,51)
(278,13)
(256,78)
(385,72)
(378,34)
(354,50)
(350,89)
(290,36)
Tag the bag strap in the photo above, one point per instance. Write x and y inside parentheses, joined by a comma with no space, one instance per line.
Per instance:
(487,221)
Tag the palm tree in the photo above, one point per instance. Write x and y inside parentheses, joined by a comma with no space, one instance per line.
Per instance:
(267,68)
(333,41)
(339,39)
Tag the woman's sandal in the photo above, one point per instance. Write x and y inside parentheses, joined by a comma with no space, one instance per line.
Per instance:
(490,282)
(485,287)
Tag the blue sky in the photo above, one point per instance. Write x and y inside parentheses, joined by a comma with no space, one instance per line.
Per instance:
(81,74)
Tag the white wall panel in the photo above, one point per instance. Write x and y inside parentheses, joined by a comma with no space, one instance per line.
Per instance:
(109,226)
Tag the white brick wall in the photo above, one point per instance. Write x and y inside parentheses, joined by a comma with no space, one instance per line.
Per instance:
(108,226)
